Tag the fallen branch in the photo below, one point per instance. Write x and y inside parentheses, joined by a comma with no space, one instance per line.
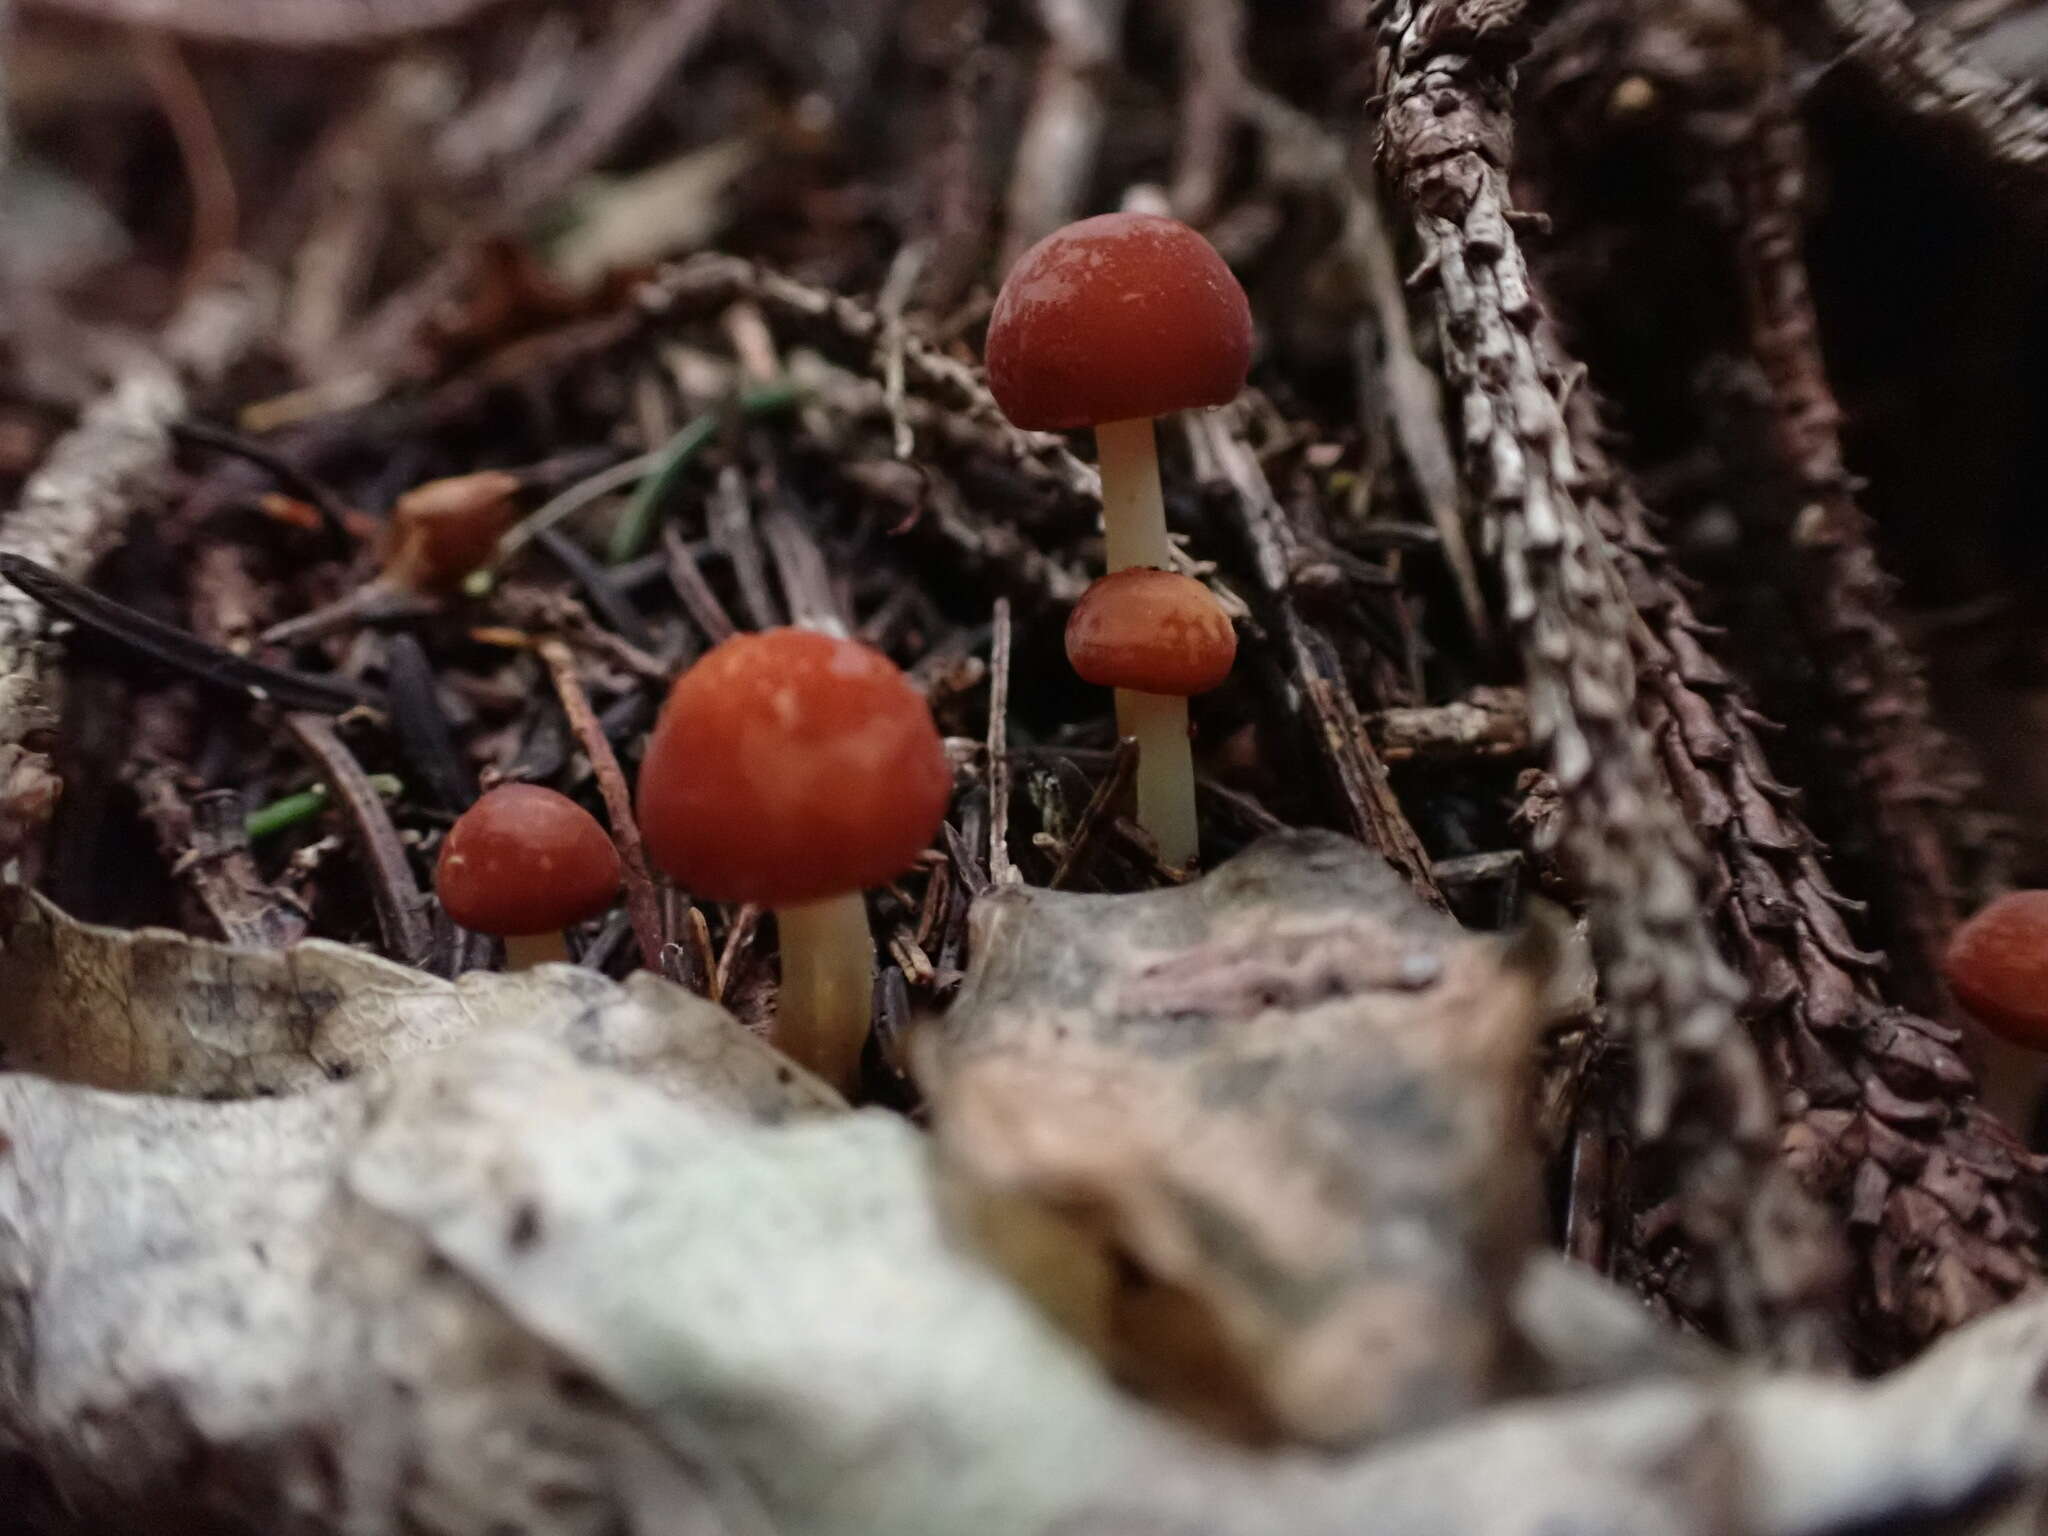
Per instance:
(1903,765)
(1446,72)
(1923,73)
(73,510)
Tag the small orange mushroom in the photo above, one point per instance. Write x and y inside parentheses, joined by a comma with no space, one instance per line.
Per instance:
(1157,637)
(522,864)
(444,529)
(794,770)
(1997,966)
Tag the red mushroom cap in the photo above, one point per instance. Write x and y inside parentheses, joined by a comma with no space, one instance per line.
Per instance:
(525,860)
(1117,317)
(1997,963)
(789,766)
(1152,631)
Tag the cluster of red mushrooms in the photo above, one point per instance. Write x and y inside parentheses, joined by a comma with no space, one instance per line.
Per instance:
(794,769)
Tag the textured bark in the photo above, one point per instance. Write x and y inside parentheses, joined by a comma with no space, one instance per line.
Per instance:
(1446,75)
(1881,1115)
(1923,73)
(72,511)
(1904,768)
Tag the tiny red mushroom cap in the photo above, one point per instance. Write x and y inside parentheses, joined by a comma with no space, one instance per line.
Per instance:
(789,766)
(1997,963)
(525,860)
(1117,317)
(1151,631)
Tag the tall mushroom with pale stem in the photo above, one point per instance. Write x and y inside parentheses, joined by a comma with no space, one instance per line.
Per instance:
(794,770)
(522,864)
(1997,966)
(1108,324)
(1160,637)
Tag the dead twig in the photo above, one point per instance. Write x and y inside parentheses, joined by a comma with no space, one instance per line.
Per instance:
(1904,766)
(1881,1099)
(1487,722)
(1212,72)
(712,281)
(1923,73)
(641,903)
(401,909)
(801,565)
(203,839)
(1062,132)
(216,208)
(69,512)
(1001,870)
(698,600)
(153,640)
(1413,399)
(1374,815)
(1102,808)
(1445,70)
(729,516)
(334,512)
(904,271)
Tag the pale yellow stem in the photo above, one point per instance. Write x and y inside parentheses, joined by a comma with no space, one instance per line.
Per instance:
(1166,771)
(827,998)
(525,950)
(2011,1078)
(1133,511)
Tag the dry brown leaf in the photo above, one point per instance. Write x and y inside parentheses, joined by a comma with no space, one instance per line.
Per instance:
(154,1011)
(1256,1140)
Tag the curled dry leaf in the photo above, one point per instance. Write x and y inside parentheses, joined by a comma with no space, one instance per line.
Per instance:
(495,1288)
(154,1011)
(1256,1140)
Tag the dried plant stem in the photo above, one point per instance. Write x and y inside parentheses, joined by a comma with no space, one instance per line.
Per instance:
(1902,764)
(1001,869)
(216,215)
(1882,1123)
(1062,132)
(641,904)
(1097,814)
(711,281)
(401,908)
(1923,73)
(1702,1090)
(1375,817)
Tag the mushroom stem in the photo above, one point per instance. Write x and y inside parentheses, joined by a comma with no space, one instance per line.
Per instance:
(1165,773)
(2011,1079)
(827,998)
(1133,511)
(523,951)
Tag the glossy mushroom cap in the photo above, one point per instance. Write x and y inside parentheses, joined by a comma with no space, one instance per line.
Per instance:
(525,860)
(1117,317)
(1997,964)
(1151,631)
(789,766)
